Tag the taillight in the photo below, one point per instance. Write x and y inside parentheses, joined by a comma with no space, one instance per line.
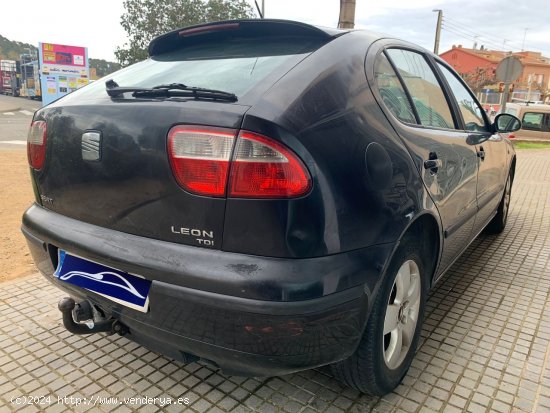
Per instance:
(199,157)
(260,167)
(36,144)
(263,168)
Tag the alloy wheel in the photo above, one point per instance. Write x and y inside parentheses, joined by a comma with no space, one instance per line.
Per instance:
(401,314)
(506,203)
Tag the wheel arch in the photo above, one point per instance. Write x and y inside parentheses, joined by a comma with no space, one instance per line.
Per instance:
(513,168)
(360,369)
(426,229)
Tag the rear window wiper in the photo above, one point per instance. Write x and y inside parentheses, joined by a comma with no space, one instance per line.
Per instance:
(170,90)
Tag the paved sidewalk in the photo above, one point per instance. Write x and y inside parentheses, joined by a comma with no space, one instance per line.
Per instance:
(485,346)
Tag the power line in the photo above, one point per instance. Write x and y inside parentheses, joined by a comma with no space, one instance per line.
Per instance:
(467,36)
(477,32)
(467,33)
(476,36)
(473,38)
(489,38)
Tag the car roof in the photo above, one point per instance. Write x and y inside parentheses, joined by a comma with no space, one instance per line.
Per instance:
(532,106)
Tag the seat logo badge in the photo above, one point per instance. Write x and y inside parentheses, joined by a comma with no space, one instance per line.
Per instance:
(91,146)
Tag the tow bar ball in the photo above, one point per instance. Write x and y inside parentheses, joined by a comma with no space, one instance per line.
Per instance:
(83,312)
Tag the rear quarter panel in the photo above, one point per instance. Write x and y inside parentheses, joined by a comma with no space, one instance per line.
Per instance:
(324,110)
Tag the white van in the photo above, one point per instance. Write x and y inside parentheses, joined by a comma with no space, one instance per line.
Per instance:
(535,119)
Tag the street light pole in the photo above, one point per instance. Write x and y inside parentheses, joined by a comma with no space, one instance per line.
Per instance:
(438,29)
(263,8)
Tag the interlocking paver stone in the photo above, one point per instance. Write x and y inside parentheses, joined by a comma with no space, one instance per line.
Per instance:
(485,345)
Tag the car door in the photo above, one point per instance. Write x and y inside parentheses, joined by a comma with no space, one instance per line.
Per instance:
(445,159)
(491,151)
(531,124)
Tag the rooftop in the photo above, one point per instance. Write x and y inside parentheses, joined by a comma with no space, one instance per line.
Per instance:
(495,56)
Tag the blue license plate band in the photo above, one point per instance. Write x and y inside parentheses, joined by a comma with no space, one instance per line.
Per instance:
(118,286)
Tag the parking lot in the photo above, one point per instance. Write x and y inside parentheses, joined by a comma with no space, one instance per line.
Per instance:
(485,343)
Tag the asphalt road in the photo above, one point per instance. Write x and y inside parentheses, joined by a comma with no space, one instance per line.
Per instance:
(15,118)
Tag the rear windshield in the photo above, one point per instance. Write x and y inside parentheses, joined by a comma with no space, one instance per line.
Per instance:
(232,65)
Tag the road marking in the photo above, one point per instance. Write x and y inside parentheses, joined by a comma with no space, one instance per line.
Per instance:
(15,142)
(9,113)
(25,112)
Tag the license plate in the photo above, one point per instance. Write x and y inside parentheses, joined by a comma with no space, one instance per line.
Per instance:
(118,286)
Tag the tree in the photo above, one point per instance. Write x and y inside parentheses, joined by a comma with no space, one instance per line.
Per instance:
(540,90)
(12,50)
(103,67)
(479,78)
(146,19)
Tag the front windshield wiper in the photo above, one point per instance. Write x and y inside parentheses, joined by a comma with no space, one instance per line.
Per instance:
(170,90)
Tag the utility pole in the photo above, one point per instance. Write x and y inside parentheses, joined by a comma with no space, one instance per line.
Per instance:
(438,29)
(347,14)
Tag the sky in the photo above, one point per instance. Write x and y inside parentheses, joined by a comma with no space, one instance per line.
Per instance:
(496,24)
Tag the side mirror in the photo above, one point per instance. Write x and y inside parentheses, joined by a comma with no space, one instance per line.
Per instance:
(506,123)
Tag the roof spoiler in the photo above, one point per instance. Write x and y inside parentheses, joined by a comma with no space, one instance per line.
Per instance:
(181,38)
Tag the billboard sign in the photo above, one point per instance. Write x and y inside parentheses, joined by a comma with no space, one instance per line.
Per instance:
(63,69)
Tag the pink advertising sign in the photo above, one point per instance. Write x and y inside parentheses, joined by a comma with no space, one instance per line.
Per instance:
(57,54)
(63,69)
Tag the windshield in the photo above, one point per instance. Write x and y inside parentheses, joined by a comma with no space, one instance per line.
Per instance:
(234,66)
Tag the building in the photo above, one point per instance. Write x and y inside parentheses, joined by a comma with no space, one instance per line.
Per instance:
(536,70)
(470,61)
(477,67)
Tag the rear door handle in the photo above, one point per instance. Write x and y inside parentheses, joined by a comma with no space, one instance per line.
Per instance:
(481,153)
(433,164)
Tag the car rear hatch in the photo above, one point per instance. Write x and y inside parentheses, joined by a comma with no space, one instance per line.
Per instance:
(111,157)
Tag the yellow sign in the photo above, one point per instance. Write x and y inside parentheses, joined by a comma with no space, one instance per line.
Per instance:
(81,82)
(49,56)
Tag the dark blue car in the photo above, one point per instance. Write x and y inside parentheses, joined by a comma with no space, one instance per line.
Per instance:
(267,196)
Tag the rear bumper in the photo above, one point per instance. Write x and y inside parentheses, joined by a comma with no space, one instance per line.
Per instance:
(250,315)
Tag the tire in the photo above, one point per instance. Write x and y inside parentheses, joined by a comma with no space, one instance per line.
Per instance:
(379,364)
(498,223)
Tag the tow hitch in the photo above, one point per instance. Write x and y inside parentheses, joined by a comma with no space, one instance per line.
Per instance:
(82,318)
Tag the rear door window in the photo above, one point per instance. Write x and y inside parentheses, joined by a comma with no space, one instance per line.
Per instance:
(532,121)
(391,90)
(422,84)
